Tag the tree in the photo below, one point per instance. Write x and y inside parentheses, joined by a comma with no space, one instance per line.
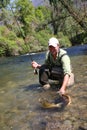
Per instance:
(56,18)
(5,17)
(72,11)
(4,3)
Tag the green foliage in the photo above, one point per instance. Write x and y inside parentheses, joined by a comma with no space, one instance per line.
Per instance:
(2,51)
(3,42)
(6,45)
(64,40)
(85,40)
(9,43)
(4,3)
(71,28)
(3,46)
(78,14)
(25,13)
(11,36)
(42,13)
(39,14)
(43,37)
(81,38)
(5,16)
(15,40)
(2,30)
(38,41)
(5,32)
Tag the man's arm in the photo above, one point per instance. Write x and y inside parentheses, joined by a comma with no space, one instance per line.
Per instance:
(67,71)
(64,84)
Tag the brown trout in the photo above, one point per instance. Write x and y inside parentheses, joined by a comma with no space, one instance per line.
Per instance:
(68,97)
(46,104)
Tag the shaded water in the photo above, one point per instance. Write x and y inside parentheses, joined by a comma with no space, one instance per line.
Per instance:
(20,92)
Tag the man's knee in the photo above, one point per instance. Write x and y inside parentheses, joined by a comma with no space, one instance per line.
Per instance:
(43,75)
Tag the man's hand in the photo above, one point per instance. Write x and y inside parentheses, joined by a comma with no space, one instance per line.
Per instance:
(34,64)
(64,84)
(61,91)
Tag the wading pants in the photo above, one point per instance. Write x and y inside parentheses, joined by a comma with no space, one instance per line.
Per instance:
(55,73)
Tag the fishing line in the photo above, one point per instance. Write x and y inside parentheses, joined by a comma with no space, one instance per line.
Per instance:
(27,47)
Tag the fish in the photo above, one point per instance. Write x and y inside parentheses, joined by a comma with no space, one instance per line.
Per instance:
(68,97)
(46,104)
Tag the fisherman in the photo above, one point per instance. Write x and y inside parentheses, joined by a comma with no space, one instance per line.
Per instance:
(57,66)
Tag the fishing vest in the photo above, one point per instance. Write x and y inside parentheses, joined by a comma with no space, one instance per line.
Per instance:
(56,62)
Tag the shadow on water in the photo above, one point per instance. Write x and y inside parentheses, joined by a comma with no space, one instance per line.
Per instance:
(44,94)
(20,92)
(33,87)
(81,128)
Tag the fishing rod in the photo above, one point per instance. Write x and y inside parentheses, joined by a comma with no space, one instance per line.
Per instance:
(35,70)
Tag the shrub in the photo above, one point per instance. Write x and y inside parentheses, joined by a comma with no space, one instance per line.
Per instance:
(64,40)
(2,51)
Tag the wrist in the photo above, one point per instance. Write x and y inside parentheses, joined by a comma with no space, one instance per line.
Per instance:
(38,66)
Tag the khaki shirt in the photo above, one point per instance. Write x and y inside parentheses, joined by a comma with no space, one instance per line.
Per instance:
(62,60)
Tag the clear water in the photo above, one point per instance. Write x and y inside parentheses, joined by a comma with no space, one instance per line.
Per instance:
(20,92)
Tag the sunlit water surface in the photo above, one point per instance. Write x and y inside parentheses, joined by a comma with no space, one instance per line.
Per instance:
(20,92)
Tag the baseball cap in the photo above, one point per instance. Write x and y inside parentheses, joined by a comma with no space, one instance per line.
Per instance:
(53,42)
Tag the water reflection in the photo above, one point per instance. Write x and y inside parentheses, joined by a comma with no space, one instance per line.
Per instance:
(20,92)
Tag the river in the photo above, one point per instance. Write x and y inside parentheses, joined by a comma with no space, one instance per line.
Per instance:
(20,92)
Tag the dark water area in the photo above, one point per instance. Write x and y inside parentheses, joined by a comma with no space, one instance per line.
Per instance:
(20,92)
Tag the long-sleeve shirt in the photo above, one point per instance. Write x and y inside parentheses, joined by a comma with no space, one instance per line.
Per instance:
(62,60)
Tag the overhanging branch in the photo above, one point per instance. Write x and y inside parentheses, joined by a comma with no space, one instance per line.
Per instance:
(42,26)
